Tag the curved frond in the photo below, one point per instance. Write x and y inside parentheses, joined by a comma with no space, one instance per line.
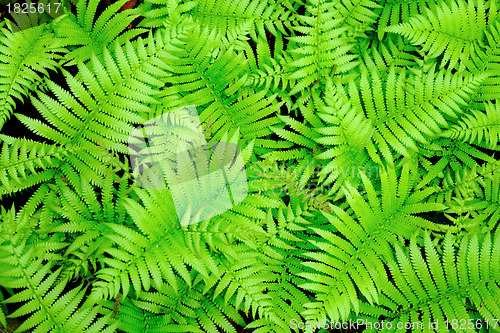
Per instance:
(459,286)
(353,258)
(449,30)
(48,302)
(321,48)
(93,35)
(478,127)
(213,88)
(25,163)
(25,56)
(412,112)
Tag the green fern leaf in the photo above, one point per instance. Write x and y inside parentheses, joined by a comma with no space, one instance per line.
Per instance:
(443,36)
(24,57)
(478,127)
(434,288)
(92,35)
(320,48)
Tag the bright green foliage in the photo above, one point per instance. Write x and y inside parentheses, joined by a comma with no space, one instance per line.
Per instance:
(452,37)
(432,287)
(22,59)
(92,35)
(51,307)
(479,127)
(320,46)
(211,86)
(25,163)
(371,229)
(369,130)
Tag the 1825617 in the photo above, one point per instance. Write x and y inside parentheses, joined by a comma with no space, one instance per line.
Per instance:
(32,8)
(27,14)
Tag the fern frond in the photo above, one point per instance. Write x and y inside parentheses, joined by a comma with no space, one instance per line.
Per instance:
(25,57)
(472,197)
(50,306)
(265,280)
(271,76)
(25,163)
(478,127)
(321,46)
(282,255)
(353,145)
(400,11)
(213,87)
(148,317)
(160,13)
(438,32)
(462,283)
(227,15)
(486,58)
(451,156)
(133,266)
(191,308)
(345,137)
(352,257)
(412,113)
(102,116)
(355,13)
(82,213)
(388,53)
(3,319)
(91,35)
(300,181)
